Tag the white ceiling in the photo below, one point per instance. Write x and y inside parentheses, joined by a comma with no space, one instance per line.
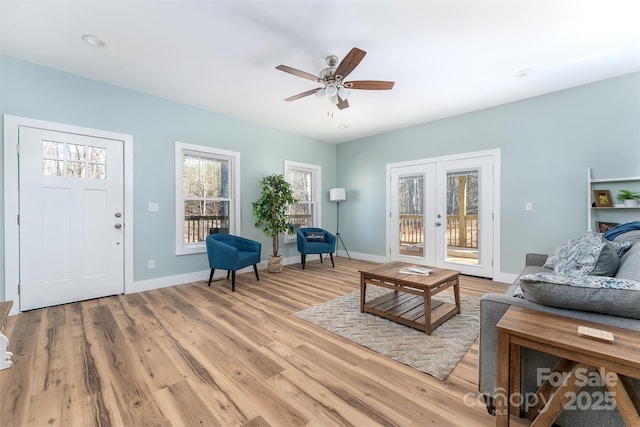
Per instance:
(446,57)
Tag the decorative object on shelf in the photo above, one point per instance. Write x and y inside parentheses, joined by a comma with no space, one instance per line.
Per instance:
(271,213)
(338,195)
(602,198)
(603,227)
(629,198)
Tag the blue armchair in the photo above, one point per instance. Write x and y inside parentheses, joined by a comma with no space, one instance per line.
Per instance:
(232,253)
(315,241)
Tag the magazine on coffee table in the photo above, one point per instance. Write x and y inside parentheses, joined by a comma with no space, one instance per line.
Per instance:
(415,269)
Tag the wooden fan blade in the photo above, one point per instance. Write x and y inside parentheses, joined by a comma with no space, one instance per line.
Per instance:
(350,62)
(342,103)
(369,85)
(302,95)
(298,73)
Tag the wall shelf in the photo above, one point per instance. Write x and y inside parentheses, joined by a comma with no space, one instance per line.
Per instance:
(614,185)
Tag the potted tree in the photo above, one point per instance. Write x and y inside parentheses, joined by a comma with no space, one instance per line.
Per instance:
(271,213)
(629,198)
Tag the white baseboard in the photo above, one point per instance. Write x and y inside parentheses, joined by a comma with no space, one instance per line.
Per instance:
(163,282)
(508,278)
(363,257)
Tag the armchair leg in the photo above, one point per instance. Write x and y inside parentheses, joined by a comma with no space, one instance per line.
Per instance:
(255,269)
(332,264)
(211,276)
(233,281)
(320,258)
(304,258)
(228,271)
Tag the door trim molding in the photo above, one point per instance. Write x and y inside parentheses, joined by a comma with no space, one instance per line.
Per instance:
(12,126)
(495,153)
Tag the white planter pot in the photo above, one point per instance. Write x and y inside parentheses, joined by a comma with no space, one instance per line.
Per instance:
(630,203)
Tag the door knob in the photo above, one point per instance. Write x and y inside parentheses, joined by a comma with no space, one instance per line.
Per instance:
(438,223)
(118,226)
(118,215)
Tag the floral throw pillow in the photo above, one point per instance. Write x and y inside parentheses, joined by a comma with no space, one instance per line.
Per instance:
(581,257)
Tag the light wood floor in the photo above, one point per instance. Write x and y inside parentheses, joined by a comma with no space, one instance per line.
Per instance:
(192,355)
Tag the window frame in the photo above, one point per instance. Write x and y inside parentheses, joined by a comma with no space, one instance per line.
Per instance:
(316,170)
(181,149)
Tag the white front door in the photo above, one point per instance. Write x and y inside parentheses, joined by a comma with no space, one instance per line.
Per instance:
(71,217)
(441,213)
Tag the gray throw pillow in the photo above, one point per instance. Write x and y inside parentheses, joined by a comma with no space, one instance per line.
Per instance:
(607,295)
(608,261)
(615,302)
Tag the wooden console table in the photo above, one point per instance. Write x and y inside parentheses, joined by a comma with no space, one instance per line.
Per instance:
(410,304)
(557,335)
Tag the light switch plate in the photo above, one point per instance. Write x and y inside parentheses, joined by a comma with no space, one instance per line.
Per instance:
(154,207)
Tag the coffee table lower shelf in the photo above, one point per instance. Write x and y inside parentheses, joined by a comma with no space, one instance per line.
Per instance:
(408,309)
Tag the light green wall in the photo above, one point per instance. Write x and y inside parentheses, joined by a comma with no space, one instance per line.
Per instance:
(547,143)
(37,92)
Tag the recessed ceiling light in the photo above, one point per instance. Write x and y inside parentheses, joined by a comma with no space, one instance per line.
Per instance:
(523,73)
(93,41)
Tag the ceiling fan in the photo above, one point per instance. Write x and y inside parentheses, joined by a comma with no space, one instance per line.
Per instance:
(332,79)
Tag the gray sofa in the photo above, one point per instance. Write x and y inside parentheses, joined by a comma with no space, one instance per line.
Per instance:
(493,307)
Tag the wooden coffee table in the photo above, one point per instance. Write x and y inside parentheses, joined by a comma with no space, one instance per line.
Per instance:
(410,302)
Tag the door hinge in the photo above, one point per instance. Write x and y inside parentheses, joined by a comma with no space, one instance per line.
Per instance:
(18,149)
(18,288)
(18,219)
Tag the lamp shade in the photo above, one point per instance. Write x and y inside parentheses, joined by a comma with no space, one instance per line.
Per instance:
(337,195)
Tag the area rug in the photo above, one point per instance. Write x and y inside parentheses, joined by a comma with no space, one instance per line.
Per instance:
(436,355)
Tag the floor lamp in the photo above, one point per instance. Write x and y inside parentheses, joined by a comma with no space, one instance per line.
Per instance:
(339,195)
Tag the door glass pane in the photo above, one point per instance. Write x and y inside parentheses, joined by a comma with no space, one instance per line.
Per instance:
(462,216)
(411,215)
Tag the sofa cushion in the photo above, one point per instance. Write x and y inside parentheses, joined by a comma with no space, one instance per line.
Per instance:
(630,236)
(588,254)
(630,264)
(607,295)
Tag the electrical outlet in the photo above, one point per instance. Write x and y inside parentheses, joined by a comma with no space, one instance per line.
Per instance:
(153,207)
(151,264)
(528,206)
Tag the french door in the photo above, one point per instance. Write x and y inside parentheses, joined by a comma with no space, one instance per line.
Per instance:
(71,217)
(441,213)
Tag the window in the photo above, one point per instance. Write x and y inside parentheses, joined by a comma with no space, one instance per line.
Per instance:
(306,183)
(207,195)
(73,160)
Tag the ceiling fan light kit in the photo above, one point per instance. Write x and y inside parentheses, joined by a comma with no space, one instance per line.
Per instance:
(332,80)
